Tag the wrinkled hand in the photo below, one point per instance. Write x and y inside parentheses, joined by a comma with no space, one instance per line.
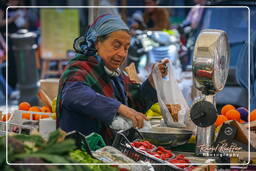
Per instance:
(136,117)
(162,68)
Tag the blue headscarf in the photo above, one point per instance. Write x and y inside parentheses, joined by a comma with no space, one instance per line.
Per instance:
(103,25)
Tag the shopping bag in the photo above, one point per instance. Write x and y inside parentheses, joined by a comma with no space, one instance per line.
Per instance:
(168,92)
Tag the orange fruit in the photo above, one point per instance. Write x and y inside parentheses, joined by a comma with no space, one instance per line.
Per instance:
(233,115)
(24,106)
(35,109)
(220,120)
(46,109)
(241,121)
(44,116)
(6,117)
(227,108)
(26,116)
(253,115)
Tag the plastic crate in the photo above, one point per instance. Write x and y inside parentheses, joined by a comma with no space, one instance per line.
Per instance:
(80,141)
(123,141)
(14,125)
(18,116)
(95,141)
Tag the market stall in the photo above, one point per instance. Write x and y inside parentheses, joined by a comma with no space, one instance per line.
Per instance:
(176,137)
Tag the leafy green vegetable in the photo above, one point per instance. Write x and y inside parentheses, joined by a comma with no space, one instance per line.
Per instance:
(34,149)
(83,157)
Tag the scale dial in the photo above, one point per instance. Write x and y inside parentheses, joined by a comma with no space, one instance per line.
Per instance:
(211,61)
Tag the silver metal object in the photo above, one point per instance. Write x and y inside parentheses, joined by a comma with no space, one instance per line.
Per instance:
(166,136)
(210,70)
(211,61)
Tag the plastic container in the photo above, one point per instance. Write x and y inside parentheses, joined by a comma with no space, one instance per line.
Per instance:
(80,141)
(17,117)
(123,141)
(95,141)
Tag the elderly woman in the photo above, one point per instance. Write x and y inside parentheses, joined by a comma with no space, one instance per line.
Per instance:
(93,90)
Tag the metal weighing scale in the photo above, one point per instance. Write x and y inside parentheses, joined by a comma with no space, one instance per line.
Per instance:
(210,70)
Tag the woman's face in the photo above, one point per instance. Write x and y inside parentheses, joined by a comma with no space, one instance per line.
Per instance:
(114,49)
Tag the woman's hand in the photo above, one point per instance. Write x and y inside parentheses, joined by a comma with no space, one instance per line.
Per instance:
(136,117)
(162,68)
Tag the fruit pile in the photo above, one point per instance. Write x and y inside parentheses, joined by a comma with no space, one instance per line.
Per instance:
(161,153)
(154,111)
(229,112)
(5,117)
(27,107)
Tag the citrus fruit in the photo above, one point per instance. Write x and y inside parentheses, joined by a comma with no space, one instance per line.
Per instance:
(46,109)
(24,106)
(241,121)
(54,103)
(220,120)
(35,109)
(227,108)
(253,115)
(6,117)
(26,116)
(233,115)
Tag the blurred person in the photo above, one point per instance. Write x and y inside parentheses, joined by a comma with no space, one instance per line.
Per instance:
(195,14)
(17,19)
(93,90)
(2,63)
(137,22)
(156,18)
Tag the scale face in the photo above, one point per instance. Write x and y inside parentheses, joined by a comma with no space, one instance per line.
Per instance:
(221,65)
(211,61)
(210,71)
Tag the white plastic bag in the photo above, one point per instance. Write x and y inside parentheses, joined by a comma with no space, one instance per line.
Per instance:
(122,123)
(168,92)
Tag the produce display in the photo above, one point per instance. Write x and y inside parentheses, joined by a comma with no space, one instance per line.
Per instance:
(160,153)
(178,160)
(34,149)
(25,106)
(83,157)
(240,114)
(5,117)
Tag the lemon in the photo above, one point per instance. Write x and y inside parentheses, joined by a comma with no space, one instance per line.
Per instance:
(54,103)
(53,116)
(156,108)
(151,113)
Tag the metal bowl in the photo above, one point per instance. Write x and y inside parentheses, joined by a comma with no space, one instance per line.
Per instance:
(166,136)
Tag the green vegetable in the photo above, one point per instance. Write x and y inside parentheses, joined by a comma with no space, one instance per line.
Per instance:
(36,139)
(60,148)
(34,149)
(83,157)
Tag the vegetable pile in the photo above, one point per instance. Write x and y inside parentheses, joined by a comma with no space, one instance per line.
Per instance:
(34,149)
(83,157)
(161,153)
(158,152)
(180,159)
